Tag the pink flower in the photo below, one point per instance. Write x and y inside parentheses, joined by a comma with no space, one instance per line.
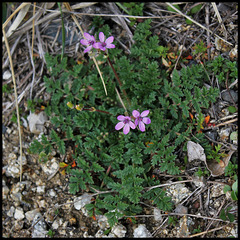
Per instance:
(89,42)
(141,119)
(125,123)
(103,45)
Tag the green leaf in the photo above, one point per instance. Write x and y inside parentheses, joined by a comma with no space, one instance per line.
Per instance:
(234,196)
(232,109)
(196,9)
(226,188)
(235,186)
(171,9)
(222,215)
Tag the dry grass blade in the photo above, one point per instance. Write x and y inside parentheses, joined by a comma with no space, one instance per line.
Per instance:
(67,5)
(18,20)
(34,9)
(13,14)
(200,25)
(15,93)
(219,17)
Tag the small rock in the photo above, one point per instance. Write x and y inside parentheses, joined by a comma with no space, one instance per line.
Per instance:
(141,232)
(40,228)
(5,191)
(7,75)
(224,133)
(41,189)
(177,192)
(119,230)
(103,222)
(157,214)
(212,135)
(216,190)
(11,211)
(226,96)
(52,193)
(57,223)
(50,167)
(181,209)
(36,122)
(19,214)
(81,201)
(31,214)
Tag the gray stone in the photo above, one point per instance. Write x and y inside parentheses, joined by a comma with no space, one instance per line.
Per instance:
(141,232)
(19,214)
(81,201)
(226,96)
(36,122)
(119,230)
(40,228)
(31,214)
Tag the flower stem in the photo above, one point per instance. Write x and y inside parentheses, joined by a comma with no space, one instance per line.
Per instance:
(119,82)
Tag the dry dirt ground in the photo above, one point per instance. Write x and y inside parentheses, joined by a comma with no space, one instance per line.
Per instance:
(48,195)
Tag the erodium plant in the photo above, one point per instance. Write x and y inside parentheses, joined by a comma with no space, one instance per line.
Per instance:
(149,104)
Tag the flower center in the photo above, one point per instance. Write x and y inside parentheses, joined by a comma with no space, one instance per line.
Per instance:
(140,118)
(104,44)
(90,42)
(126,120)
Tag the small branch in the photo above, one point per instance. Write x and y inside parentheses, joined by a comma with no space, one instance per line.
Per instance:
(16,97)
(212,230)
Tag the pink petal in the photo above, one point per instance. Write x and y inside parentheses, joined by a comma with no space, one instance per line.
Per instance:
(88,49)
(96,45)
(136,122)
(87,36)
(141,126)
(121,118)
(110,45)
(101,37)
(146,120)
(119,125)
(84,42)
(132,125)
(101,47)
(145,113)
(109,40)
(126,129)
(135,113)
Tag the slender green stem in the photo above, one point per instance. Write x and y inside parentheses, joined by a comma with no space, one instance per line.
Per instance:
(118,79)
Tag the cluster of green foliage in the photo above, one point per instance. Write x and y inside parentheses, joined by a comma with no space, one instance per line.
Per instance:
(98,147)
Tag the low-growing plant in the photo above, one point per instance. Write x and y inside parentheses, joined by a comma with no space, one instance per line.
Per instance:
(119,139)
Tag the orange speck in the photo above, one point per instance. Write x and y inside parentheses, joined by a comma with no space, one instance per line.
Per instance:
(74,164)
(94,218)
(189,57)
(191,116)
(207,119)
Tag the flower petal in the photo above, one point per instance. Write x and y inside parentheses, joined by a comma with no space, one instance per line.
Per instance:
(101,37)
(126,129)
(135,113)
(132,125)
(146,120)
(96,45)
(84,42)
(141,126)
(88,49)
(119,125)
(109,40)
(145,113)
(121,118)
(110,45)
(136,122)
(87,36)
